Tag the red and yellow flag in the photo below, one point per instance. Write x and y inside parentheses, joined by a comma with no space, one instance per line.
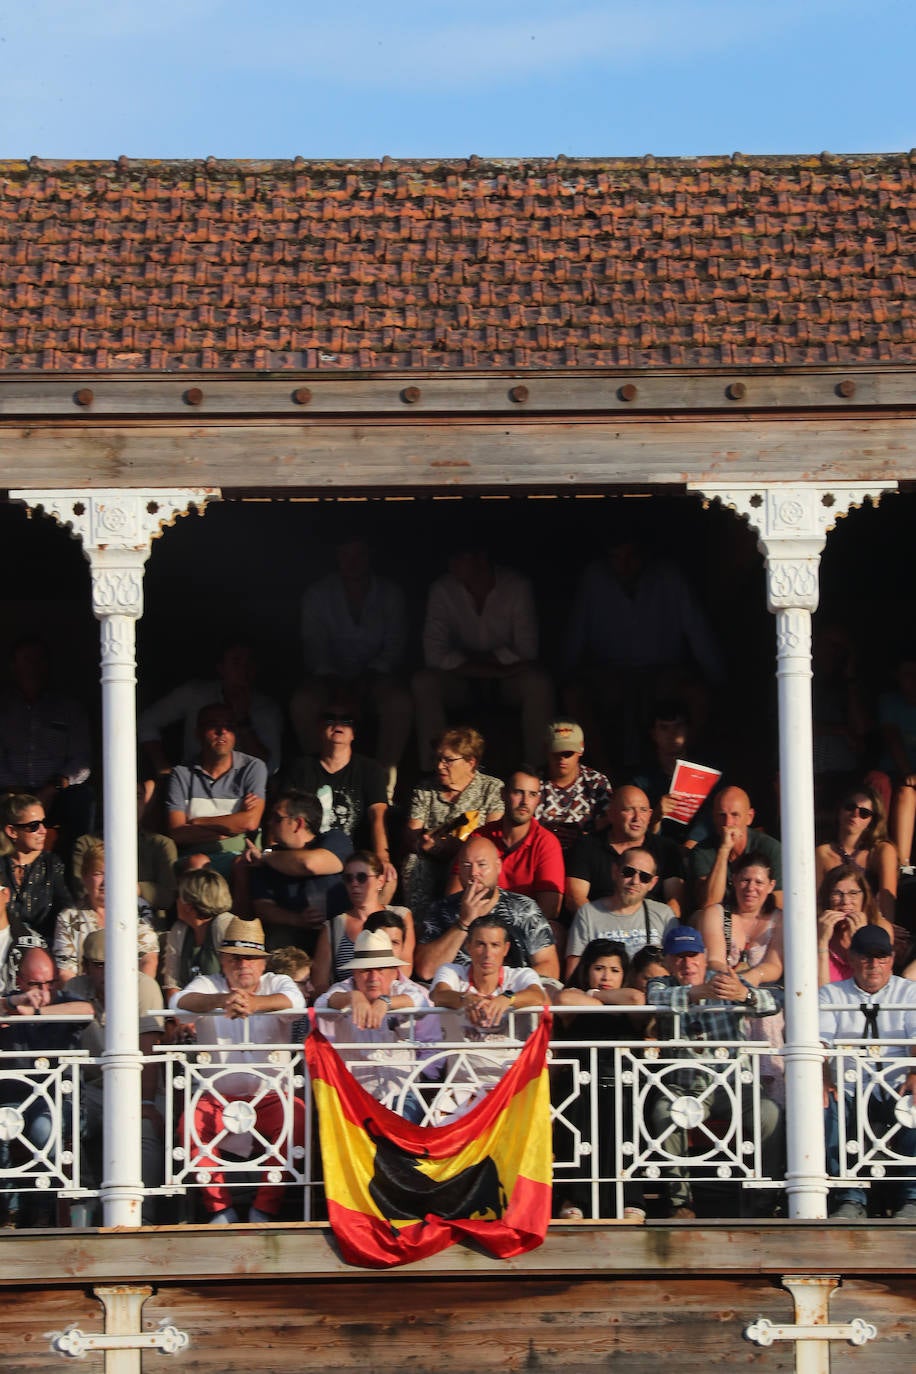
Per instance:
(398,1192)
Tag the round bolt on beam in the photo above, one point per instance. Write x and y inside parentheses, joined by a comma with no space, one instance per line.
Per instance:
(736,391)
(627,392)
(410,395)
(193,396)
(846,388)
(84,396)
(302,396)
(519,394)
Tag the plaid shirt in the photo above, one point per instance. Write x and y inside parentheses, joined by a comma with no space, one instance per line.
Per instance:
(714,1019)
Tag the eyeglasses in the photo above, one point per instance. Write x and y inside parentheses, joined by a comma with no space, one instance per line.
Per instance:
(31,826)
(865,813)
(330,718)
(629,871)
(356,877)
(841,893)
(448,760)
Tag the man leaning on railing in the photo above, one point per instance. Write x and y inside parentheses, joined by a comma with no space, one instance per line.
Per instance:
(872,1004)
(703,1008)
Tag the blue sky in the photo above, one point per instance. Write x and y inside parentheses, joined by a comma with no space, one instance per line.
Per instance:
(277,78)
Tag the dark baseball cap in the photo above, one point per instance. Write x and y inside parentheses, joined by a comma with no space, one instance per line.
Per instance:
(871,940)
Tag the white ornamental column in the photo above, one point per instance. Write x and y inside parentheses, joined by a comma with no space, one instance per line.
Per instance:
(116,528)
(792,523)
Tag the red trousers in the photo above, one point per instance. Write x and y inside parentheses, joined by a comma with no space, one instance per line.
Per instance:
(269,1123)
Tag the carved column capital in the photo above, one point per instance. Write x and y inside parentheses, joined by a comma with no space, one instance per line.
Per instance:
(116,528)
(792,521)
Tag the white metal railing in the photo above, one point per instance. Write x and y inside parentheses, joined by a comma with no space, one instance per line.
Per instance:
(623,1113)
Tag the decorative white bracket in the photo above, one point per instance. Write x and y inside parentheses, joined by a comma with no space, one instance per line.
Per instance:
(812,1329)
(122,1339)
(792,520)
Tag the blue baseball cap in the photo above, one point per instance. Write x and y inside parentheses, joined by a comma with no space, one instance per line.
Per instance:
(683,940)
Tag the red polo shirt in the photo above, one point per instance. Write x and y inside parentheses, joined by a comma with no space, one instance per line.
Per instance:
(534,865)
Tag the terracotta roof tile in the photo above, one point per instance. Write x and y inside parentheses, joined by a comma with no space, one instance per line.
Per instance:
(393,265)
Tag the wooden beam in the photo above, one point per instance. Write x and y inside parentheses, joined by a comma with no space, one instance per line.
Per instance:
(307,1251)
(439,455)
(100,396)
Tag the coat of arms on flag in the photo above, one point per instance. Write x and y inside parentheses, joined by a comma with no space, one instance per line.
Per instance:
(398,1192)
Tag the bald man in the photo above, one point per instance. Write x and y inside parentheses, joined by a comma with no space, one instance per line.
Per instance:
(591,867)
(441,936)
(712,864)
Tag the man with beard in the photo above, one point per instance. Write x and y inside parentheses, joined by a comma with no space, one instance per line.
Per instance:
(531,858)
(627,915)
(590,867)
(442,935)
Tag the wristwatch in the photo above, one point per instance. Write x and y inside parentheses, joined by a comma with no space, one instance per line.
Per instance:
(751,998)
(386,999)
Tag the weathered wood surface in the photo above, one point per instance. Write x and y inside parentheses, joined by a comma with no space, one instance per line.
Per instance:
(307,1251)
(307,455)
(384,394)
(573,1325)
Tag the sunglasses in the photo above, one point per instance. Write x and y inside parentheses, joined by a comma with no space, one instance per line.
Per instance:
(566,753)
(629,871)
(31,826)
(865,813)
(356,877)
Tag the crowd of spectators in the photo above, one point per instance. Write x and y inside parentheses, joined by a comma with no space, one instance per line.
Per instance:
(273,878)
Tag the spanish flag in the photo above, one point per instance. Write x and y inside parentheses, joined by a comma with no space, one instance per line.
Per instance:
(398,1192)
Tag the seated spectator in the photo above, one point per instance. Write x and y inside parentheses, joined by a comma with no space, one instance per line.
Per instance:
(636,632)
(156,859)
(192,945)
(214,802)
(352,789)
(365,882)
(442,935)
(861,839)
(531,858)
(229,1008)
(484,990)
(35,1025)
(599,981)
(295,963)
(33,877)
(748,936)
(574,797)
(480,638)
(590,867)
(89,986)
(74,924)
(846,904)
(258,721)
(375,988)
(480,996)
(44,746)
(728,1000)
(354,630)
(712,865)
(292,878)
(628,915)
(670,740)
(646,964)
(443,812)
(869,1005)
(16,939)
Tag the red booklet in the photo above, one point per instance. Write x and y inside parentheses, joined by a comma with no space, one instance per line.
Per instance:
(690,786)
